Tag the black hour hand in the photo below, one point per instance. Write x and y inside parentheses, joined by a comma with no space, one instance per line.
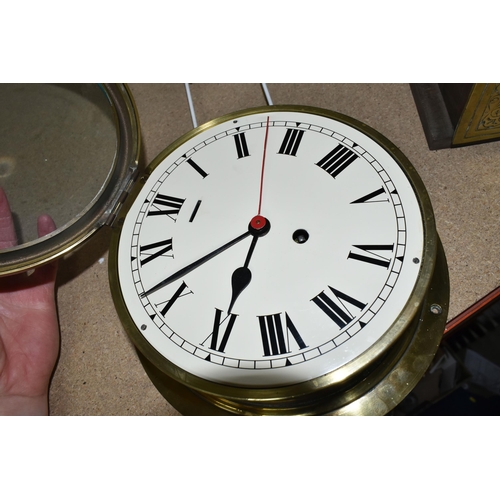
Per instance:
(239,281)
(259,226)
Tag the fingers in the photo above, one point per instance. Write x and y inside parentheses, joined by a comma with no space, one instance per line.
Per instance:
(8,236)
(7,233)
(45,225)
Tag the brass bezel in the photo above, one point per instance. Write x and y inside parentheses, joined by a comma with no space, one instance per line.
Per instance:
(244,400)
(105,204)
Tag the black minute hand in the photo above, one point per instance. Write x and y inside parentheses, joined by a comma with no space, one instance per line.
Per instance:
(194,265)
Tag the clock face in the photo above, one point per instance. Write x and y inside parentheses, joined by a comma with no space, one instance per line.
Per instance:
(270,248)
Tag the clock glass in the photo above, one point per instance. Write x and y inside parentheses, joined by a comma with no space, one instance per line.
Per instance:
(270,247)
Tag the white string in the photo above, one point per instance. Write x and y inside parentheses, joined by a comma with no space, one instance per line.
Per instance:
(267,94)
(191,107)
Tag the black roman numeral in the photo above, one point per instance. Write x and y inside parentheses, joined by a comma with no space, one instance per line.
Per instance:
(337,160)
(241,145)
(216,342)
(337,310)
(374,258)
(195,211)
(169,303)
(173,205)
(291,142)
(163,247)
(196,167)
(275,334)
(372,197)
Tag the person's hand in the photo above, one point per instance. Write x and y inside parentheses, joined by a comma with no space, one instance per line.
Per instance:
(29,329)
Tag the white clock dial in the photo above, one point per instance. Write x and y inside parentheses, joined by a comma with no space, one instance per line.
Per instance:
(334,266)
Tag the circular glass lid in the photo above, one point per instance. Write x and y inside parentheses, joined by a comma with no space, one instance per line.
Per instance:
(67,150)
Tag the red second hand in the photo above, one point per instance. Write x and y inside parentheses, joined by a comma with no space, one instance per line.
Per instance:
(263,165)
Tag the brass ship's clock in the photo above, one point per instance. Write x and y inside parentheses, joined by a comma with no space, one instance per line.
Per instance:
(281,260)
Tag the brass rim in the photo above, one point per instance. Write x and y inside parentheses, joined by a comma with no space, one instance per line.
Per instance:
(338,379)
(99,211)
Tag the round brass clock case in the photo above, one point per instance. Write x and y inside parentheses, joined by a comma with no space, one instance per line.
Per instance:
(337,307)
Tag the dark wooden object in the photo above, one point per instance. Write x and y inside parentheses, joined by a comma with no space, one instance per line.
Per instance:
(440,107)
